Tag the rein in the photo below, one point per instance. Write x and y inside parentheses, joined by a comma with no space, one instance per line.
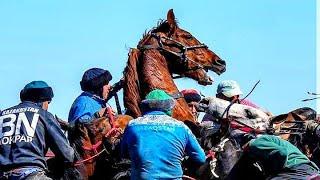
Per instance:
(113,93)
(181,55)
(226,111)
(287,130)
(109,134)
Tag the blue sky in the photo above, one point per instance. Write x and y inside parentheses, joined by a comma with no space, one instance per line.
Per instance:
(56,41)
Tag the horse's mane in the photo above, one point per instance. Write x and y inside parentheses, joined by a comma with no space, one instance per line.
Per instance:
(75,137)
(132,96)
(306,112)
(162,26)
(131,89)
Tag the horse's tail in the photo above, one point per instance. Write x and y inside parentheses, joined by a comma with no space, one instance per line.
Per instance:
(131,86)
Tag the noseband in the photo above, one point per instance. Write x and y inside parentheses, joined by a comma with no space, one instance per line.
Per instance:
(181,55)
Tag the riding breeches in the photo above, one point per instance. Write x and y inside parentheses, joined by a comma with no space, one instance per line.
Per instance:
(301,171)
(29,173)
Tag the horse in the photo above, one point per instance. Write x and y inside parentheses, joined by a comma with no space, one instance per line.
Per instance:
(224,146)
(95,150)
(224,150)
(291,127)
(163,51)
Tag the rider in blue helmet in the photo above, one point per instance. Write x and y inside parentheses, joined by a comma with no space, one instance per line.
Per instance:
(92,101)
(27,130)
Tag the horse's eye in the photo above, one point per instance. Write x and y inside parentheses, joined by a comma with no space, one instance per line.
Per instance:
(188,36)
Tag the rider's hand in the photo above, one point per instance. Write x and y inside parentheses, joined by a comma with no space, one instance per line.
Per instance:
(104,112)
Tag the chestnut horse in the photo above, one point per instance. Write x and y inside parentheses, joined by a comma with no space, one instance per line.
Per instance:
(94,145)
(163,51)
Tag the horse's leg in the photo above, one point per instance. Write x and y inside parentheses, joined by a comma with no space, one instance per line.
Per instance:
(227,158)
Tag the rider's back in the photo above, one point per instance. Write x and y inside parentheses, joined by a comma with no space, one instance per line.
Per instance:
(27,133)
(157,144)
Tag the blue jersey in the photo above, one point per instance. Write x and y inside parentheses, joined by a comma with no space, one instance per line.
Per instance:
(84,107)
(156,145)
(26,133)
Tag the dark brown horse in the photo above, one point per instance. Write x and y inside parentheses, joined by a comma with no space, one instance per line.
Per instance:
(292,127)
(163,51)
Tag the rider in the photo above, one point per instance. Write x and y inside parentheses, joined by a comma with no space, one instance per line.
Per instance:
(92,101)
(27,130)
(279,159)
(229,90)
(156,142)
(192,97)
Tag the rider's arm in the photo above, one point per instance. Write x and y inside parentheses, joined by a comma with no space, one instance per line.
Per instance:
(193,148)
(56,140)
(84,109)
(269,149)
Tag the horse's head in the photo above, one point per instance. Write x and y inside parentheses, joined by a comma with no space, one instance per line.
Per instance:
(186,56)
(92,138)
(292,123)
(292,127)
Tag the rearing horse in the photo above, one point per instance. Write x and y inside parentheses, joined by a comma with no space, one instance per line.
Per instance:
(163,51)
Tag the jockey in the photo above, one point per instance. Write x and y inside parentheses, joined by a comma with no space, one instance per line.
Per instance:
(157,143)
(279,159)
(27,130)
(92,101)
(229,90)
(192,97)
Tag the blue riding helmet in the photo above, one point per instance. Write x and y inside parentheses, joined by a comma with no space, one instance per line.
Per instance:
(94,79)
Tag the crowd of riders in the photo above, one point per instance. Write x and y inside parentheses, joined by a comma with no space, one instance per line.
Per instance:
(155,143)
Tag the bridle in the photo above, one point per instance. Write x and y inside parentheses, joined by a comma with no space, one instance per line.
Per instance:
(94,148)
(297,127)
(182,55)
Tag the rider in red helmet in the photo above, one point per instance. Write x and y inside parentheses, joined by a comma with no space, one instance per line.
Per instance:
(192,97)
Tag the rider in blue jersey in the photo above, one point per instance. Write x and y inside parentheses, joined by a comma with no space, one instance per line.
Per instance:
(156,143)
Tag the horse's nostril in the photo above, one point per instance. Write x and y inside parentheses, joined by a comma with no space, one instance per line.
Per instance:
(219,66)
(220,62)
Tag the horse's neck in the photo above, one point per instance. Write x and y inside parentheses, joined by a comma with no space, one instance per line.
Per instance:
(156,74)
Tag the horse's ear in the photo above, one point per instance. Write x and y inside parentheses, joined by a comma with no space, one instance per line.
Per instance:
(171,19)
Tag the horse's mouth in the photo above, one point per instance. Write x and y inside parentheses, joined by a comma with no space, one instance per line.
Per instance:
(219,66)
(207,80)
